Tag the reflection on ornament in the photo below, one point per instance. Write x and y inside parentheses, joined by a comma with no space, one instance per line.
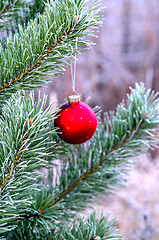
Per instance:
(76,121)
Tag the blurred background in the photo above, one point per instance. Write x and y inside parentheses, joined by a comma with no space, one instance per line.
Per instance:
(125,52)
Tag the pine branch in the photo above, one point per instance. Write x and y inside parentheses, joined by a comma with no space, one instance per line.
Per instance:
(79,229)
(15,13)
(26,132)
(8,6)
(5,9)
(101,164)
(95,228)
(8,10)
(106,157)
(45,45)
(94,168)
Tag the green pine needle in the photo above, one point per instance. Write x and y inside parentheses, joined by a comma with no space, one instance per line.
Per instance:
(47,44)
(80,229)
(26,130)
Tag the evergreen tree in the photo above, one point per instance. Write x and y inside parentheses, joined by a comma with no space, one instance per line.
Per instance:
(42,38)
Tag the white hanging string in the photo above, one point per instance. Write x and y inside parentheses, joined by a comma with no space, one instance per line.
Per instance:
(73,70)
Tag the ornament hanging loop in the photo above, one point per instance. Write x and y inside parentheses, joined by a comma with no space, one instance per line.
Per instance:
(74,92)
(73,71)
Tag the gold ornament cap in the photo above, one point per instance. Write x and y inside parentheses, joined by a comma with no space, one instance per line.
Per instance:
(74,99)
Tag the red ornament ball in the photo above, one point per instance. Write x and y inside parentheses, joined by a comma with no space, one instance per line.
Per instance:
(76,121)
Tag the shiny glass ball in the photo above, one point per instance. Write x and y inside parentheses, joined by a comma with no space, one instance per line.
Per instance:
(76,122)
